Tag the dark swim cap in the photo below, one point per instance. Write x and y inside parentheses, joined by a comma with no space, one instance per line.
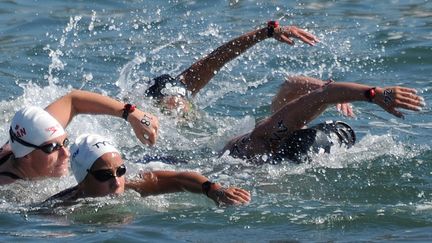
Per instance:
(321,137)
(165,85)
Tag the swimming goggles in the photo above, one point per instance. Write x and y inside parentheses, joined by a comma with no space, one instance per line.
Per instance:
(105,175)
(47,148)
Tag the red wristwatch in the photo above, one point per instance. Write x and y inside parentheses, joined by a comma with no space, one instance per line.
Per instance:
(271,25)
(127,109)
(370,94)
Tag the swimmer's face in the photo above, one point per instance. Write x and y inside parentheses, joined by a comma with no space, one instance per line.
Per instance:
(106,176)
(177,103)
(54,164)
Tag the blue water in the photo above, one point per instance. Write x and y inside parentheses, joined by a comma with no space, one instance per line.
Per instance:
(380,190)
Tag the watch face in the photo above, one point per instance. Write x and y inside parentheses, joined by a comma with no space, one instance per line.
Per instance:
(273,24)
(370,94)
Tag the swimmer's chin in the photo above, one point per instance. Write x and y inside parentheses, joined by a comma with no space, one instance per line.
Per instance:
(60,172)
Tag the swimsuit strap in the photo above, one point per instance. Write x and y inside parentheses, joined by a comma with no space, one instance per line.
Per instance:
(61,195)
(7,173)
(10,174)
(5,158)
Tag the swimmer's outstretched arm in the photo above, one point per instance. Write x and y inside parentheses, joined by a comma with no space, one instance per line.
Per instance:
(295,86)
(200,73)
(64,109)
(297,113)
(160,182)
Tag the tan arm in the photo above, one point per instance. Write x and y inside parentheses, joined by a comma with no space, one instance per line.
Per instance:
(201,72)
(160,182)
(296,86)
(297,113)
(76,102)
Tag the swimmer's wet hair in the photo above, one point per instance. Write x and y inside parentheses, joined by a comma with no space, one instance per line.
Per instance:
(165,85)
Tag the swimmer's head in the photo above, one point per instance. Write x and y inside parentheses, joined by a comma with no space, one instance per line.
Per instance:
(97,166)
(170,93)
(31,127)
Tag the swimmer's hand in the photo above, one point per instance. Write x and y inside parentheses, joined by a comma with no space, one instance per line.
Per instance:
(145,126)
(284,33)
(346,109)
(229,196)
(390,98)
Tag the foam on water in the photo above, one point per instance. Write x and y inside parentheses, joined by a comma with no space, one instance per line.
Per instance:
(383,178)
(211,135)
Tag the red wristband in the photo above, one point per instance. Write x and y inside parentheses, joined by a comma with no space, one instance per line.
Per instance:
(271,25)
(370,94)
(128,108)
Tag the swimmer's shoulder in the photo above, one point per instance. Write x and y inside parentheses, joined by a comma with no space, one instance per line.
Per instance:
(70,194)
(237,146)
(6,158)
(5,153)
(5,180)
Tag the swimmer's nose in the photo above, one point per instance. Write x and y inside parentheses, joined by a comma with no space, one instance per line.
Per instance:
(65,151)
(115,182)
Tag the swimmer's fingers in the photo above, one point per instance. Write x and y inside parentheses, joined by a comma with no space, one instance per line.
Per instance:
(240,195)
(149,137)
(346,109)
(236,196)
(311,37)
(409,101)
(304,36)
(285,39)
(285,32)
(350,110)
(408,90)
(391,98)
(245,195)
(232,196)
(396,113)
(145,126)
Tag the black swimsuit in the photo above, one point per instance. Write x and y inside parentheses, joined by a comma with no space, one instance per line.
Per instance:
(7,173)
(300,144)
(319,138)
(66,194)
(10,174)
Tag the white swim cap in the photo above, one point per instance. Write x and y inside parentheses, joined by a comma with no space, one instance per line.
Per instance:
(86,150)
(33,125)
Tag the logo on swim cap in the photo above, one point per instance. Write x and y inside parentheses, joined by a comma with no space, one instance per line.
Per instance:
(99,144)
(86,150)
(51,129)
(33,125)
(19,132)
(75,153)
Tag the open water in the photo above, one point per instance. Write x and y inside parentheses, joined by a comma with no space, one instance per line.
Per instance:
(380,190)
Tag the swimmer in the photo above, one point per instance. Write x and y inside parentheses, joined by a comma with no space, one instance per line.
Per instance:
(293,108)
(99,170)
(298,102)
(172,93)
(37,146)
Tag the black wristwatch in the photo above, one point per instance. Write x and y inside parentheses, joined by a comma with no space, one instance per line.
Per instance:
(206,187)
(127,109)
